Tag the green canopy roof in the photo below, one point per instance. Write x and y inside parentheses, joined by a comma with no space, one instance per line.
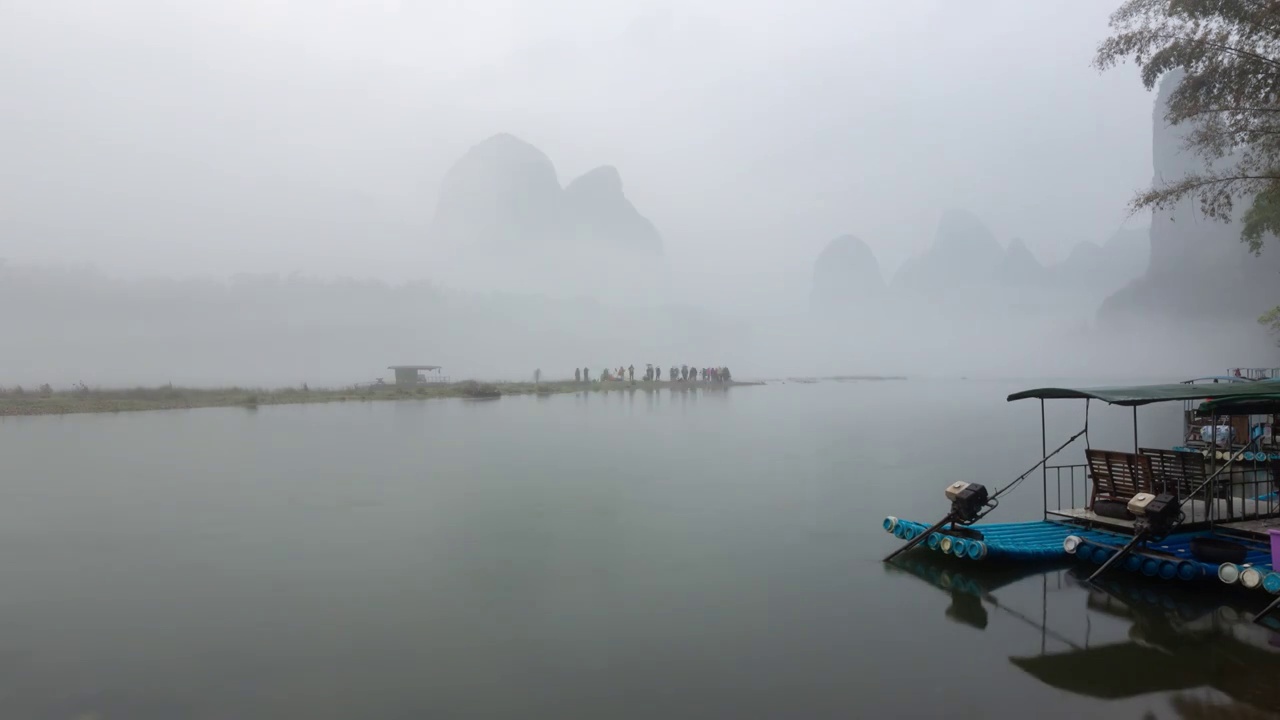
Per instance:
(1253,405)
(1146,394)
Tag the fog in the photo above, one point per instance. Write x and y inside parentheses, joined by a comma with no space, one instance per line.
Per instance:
(271,192)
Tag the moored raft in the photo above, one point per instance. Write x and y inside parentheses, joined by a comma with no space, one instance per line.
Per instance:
(1202,511)
(1034,540)
(1173,558)
(1047,541)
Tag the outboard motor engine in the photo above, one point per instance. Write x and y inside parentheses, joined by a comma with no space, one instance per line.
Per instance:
(967,501)
(1156,515)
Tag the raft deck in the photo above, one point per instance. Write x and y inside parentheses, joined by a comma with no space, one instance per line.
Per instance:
(1045,541)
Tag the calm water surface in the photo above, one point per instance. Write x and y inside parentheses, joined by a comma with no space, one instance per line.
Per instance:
(631,555)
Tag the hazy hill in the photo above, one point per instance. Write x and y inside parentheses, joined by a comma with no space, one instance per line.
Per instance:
(504,222)
(964,253)
(599,215)
(845,273)
(966,270)
(502,194)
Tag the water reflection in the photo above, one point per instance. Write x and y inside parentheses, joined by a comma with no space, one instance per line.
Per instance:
(1201,649)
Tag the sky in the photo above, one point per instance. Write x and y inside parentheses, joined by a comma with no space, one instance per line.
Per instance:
(153,137)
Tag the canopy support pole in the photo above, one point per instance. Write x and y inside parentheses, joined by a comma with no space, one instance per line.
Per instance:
(1086,423)
(1088,495)
(1135,429)
(1044,469)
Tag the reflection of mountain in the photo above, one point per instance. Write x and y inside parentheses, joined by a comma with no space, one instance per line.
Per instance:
(1198,269)
(503,222)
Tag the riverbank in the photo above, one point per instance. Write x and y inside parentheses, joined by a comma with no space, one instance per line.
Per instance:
(96,400)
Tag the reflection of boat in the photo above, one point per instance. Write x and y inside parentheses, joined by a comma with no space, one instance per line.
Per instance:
(1173,514)
(1171,639)
(969,586)
(1175,642)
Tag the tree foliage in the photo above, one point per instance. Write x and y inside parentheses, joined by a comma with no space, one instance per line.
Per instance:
(1229,51)
(1272,319)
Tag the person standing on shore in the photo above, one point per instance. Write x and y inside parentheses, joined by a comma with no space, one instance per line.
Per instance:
(577,375)
(631,373)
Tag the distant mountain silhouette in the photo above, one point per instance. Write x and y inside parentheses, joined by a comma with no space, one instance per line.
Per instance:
(504,195)
(964,253)
(1019,267)
(845,273)
(599,213)
(1106,267)
(503,222)
(966,270)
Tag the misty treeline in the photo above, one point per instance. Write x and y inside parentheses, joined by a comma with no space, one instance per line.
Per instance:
(69,325)
(66,326)
(1229,54)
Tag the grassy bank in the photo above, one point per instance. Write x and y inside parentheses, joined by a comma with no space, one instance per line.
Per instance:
(46,401)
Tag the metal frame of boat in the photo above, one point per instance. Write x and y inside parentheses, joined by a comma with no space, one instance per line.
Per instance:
(1225,493)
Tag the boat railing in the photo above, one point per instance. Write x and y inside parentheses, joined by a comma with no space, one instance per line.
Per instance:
(1245,492)
(1066,487)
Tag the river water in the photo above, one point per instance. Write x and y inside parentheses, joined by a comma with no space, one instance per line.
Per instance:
(703,554)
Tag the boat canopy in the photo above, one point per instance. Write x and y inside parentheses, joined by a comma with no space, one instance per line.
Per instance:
(1252,405)
(1134,395)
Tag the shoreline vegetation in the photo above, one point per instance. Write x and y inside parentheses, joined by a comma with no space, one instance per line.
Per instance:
(44,400)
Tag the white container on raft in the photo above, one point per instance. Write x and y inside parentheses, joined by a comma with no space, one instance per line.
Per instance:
(1229,573)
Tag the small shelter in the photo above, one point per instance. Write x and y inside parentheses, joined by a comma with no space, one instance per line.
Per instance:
(410,375)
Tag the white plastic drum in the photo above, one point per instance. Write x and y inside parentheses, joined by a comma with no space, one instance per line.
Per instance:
(1229,573)
(1251,578)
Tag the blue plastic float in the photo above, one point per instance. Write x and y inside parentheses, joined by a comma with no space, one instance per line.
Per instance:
(1046,541)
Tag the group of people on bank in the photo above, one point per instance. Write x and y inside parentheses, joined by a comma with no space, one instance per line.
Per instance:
(653,373)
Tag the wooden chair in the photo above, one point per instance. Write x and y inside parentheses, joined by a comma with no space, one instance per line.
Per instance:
(1118,475)
(1176,472)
